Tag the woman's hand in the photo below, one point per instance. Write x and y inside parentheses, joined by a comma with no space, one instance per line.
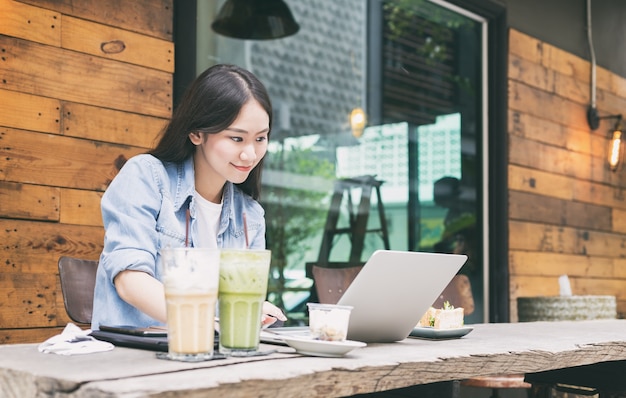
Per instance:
(271,313)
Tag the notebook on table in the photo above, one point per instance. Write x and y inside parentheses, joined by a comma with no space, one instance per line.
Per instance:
(151,338)
(152,343)
(392,292)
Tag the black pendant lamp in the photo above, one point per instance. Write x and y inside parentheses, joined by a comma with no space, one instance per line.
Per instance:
(255,20)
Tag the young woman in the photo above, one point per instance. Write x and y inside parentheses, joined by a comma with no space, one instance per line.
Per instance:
(192,189)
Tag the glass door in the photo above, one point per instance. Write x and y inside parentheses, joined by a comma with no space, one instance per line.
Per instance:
(417,69)
(426,87)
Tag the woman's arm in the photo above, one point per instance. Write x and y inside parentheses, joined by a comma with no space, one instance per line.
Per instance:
(143,292)
(131,242)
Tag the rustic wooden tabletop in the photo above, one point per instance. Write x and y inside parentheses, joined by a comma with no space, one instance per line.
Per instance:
(488,349)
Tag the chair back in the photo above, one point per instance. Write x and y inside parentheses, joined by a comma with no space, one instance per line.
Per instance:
(331,283)
(458,293)
(78,280)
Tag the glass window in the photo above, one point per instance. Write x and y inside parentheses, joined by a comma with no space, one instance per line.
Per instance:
(416,67)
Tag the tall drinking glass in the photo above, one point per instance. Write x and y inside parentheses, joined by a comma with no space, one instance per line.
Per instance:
(190,279)
(243,287)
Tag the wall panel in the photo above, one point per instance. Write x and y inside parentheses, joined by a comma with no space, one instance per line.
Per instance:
(36,69)
(566,208)
(84,86)
(149,17)
(30,23)
(74,163)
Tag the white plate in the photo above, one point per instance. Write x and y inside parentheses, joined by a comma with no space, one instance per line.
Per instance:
(320,348)
(276,335)
(432,333)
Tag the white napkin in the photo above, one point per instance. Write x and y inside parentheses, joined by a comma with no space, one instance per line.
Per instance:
(565,288)
(73,341)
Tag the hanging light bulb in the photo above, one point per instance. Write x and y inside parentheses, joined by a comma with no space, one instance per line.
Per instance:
(358,120)
(615,150)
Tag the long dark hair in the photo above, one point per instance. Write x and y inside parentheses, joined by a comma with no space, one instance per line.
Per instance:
(211,104)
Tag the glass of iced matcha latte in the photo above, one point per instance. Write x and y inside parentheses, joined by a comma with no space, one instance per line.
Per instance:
(242,291)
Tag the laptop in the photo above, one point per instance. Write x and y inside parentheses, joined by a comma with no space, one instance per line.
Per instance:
(394,290)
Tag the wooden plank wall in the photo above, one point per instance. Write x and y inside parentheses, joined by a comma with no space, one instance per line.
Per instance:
(567,211)
(84,85)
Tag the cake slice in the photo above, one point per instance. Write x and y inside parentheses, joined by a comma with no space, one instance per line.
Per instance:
(447,317)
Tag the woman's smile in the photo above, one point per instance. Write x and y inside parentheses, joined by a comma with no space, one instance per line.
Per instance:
(245,169)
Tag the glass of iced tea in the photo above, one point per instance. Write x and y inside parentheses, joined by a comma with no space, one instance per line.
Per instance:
(191,280)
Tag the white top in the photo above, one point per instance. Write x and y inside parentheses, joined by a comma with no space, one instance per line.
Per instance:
(208,219)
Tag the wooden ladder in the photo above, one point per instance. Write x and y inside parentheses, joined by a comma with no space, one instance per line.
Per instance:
(357,217)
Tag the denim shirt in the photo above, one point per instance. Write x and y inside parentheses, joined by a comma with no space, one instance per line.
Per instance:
(144,210)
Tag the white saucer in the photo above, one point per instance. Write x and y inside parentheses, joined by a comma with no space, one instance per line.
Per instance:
(320,348)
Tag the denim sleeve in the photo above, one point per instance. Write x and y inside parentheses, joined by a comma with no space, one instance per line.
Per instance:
(130,208)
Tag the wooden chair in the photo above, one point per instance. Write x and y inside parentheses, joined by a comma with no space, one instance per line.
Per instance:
(78,280)
(498,382)
(458,293)
(331,283)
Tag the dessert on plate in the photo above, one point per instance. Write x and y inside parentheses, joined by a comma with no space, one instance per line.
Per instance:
(447,317)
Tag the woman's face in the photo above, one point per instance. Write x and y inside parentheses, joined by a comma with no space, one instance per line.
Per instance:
(231,154)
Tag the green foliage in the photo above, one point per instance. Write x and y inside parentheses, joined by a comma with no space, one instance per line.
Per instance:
(421,18)
(294,215)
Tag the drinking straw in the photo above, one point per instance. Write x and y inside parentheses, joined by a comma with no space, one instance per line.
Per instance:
(245,230)
(187,228)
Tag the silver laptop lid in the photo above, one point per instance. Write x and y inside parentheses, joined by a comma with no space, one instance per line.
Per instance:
(393,290)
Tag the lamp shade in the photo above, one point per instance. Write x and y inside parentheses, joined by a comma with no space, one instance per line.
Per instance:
(255,20)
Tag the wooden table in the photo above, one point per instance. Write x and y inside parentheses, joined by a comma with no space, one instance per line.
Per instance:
(488,349)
